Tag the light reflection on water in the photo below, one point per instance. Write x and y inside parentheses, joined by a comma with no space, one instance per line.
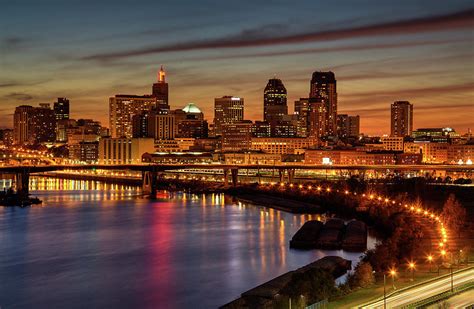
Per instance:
(98,245)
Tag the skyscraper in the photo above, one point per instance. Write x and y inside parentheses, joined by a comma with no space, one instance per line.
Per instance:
(302,114)
(122,108)
(160,92)
(323,90)
(227,109)
(401,118)
(22,124)
(274,101)
(61,109)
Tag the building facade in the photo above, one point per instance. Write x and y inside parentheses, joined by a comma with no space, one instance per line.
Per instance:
(124,150)
(160,91)
(274,101)
(401,118)
(61,109)
(227,110)
(236,136)
(122,109)
(323,90)
(281,145)
(348,126)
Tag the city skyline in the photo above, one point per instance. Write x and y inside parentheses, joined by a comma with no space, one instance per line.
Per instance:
(425,59)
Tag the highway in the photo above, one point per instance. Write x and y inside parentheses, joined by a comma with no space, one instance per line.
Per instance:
(462,300)
(417,293)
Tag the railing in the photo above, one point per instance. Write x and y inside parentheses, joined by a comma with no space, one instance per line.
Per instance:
(319,305)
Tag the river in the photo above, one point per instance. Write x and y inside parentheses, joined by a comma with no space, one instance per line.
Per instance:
(98,245)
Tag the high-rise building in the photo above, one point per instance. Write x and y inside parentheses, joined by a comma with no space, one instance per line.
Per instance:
(160,92)
(401,118)
(302,114)
(124,150)
(274,101)
(122,108)
(227,110)
(317,119)
(348,126)
(165,127)
(43,123)
(261,129)
(22,124)
(61,109)
(323,90)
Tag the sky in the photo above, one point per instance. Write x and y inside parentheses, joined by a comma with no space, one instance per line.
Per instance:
(380,52)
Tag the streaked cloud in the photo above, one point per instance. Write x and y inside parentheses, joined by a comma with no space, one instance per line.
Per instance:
(258,37)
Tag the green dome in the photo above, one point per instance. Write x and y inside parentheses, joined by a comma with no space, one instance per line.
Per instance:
(191,108)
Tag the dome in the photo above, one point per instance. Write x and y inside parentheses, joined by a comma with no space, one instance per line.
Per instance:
(191,108)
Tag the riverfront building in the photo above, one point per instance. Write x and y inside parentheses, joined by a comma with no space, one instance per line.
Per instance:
(401,119)
(124,150)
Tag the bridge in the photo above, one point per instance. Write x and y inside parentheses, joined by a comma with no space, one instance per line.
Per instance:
(151,172)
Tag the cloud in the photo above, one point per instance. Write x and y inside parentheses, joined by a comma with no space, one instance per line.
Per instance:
(13,43)
(18,96)
(264,37)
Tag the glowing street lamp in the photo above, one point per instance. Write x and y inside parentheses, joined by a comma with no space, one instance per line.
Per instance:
(430,260)
(411,265)
(393,273)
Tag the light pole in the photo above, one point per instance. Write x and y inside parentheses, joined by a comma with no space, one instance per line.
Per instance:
(384,292)
(393,273)
(430,260)
(411,265)
(452,280)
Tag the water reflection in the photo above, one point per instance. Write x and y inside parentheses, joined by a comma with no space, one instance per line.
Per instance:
(96,245)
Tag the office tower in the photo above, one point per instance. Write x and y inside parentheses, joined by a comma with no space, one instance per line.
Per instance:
(227,109)
(22,124)
(317,118)
(323,90)
(348,126)
(165,127)
(302,115)
(160,92)
(122,108)
(401,118)
(61,109)
(237,136)
(141,124)
(43,123)
(274,101)
(190,122)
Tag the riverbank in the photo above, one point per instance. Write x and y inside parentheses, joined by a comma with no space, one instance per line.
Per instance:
(287,288)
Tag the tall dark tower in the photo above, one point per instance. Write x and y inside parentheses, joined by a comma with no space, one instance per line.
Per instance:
(323,90)
(160,92)
(274,101)
(61,109)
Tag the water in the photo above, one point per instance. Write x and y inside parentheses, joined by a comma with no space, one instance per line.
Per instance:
(96,245)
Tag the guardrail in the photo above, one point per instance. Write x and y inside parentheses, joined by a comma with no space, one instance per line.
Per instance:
(437,298)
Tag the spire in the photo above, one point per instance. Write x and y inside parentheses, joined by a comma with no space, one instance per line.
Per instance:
(161,75)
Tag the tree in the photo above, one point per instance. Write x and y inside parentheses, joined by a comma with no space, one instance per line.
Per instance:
(453,214)
(363,276)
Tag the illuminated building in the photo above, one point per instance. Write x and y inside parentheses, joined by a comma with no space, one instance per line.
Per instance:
(22,124)
(317,119)
(348,126)
(84,151)
(355,157)
(281,145)
(122,109)
(124,150)
(160,92)
(236,136)
(461,154)
(323,91)
(251,158)
(61,109)
(178,157)
(261,129)
(164,127)
(401,123)
(432,152)
(394,143)
(302,114)
(438,135)
(227,110)
(274,101)
(190,122)
(6,137)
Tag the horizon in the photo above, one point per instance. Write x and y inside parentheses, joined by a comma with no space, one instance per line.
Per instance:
(379,52)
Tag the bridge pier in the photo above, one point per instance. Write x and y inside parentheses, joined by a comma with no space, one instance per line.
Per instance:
(281,174)
(226,178)
(150,183)
(235,176)
(22,183)
(291,175)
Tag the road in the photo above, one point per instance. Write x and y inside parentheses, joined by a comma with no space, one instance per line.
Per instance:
(424,291)
(462,300)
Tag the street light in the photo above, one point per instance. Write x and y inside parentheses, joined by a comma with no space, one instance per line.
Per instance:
(430,260)
(411,265)
(393,273)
